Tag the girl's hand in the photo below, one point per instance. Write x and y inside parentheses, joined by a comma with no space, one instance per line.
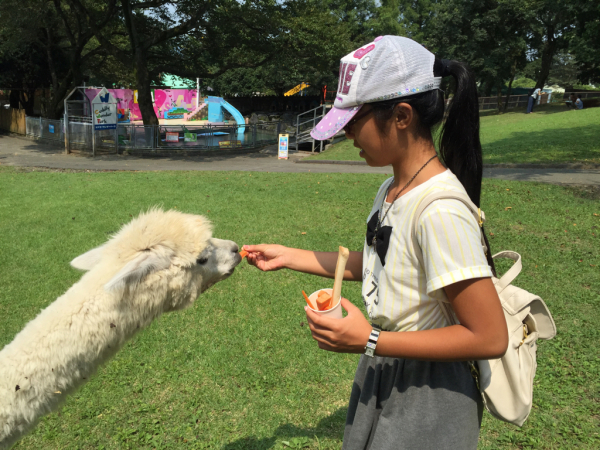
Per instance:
(347,335)
(266,257)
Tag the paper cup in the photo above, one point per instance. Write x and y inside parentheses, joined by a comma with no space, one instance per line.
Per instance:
(334,313)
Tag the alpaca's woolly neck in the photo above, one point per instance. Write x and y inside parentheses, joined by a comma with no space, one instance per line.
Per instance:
(61,348)
(151,266)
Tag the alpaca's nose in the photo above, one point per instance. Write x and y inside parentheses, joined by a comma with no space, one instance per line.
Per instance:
(235,248)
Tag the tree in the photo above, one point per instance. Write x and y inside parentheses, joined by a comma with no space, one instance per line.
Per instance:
(585,44)
(410,18)
(551,30)
(489,35)
(564,71)
(52,39)
(308,48)
(186,38)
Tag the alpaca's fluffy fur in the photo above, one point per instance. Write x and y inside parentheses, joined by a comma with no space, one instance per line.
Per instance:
(160,262)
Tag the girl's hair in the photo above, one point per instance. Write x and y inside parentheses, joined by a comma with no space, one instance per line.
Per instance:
(459,144)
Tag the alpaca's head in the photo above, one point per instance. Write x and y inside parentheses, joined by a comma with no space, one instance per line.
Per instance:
(166,257)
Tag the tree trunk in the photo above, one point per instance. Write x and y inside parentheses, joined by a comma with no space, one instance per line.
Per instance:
(488,86)
(27,99)
(142,78)
(513,72)
(499,96)
(14,99)
(548,52)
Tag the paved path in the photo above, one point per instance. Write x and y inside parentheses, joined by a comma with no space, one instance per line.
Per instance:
(20,151)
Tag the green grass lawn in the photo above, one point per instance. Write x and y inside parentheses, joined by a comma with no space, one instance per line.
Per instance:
(551,134)
(239,370)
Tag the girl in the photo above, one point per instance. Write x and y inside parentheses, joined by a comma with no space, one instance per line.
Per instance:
(413,387)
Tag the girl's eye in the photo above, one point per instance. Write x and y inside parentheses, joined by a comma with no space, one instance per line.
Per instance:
(202,260)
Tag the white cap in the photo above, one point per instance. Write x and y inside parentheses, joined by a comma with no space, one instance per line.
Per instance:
(387,68)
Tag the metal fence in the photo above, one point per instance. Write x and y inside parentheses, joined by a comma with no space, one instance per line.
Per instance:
(40,128)
(195,137)
(135,138)
(79,136)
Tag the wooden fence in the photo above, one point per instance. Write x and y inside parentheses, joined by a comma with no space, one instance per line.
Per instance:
(515,101)
(12,120)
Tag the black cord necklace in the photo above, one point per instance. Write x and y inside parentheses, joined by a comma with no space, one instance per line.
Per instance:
(381,219)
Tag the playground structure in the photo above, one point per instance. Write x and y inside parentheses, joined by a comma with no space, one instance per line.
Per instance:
(185,122)
(296,89)
(169,104)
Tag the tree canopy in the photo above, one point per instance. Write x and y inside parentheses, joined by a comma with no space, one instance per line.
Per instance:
(246,47)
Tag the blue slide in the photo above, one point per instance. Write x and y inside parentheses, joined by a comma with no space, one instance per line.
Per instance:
(215,112)
(236,115)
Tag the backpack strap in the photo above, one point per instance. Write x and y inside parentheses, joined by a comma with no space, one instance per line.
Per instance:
(429,199)
(511,273)
(425,202)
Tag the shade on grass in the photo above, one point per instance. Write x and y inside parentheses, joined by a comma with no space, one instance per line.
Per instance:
(239,370)
(550,135)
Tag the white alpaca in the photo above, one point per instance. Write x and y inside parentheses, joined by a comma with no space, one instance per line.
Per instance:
(159,262)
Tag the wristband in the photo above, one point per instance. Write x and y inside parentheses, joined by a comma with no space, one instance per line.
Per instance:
(372,343)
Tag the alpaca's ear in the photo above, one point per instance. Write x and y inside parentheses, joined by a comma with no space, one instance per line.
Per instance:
(88,260)
(144,263)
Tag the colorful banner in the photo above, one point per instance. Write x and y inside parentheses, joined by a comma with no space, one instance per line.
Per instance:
(168,103)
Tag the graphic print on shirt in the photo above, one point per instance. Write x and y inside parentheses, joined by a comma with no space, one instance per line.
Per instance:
(370,291)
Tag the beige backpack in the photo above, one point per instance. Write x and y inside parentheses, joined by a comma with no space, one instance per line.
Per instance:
(506,384)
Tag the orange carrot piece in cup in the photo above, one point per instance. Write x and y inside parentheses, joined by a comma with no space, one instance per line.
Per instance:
(243,254)
(308,300)
(324,302)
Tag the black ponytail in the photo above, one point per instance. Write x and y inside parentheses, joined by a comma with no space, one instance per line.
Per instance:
(460,147)
(459,144)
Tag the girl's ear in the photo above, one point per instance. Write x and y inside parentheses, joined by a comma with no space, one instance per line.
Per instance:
(404,115)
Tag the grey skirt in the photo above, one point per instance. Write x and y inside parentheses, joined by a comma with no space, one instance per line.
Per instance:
(407,404)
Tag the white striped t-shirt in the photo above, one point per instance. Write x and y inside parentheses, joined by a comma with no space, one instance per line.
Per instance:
(402,295)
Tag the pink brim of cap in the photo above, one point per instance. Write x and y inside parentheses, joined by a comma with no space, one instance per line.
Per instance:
(333,122)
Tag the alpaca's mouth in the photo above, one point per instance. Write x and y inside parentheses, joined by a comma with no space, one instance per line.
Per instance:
(238,259)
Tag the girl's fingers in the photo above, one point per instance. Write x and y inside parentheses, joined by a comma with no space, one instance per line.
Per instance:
(260,248)
(350,308)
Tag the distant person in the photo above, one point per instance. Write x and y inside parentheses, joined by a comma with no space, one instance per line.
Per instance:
(571,102)
(533,99)
(579,102)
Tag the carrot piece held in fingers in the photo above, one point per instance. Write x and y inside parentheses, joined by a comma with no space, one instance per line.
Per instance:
(308,300)
(243,254)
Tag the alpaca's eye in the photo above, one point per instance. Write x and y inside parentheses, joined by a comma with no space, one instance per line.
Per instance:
(202,260)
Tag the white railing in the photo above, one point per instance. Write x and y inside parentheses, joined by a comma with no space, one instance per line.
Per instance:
(304,125)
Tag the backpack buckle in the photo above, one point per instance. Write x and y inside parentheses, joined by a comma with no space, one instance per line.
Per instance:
(481,217)
(525,334)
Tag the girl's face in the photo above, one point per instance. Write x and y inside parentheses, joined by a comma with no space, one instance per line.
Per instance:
(377,148)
